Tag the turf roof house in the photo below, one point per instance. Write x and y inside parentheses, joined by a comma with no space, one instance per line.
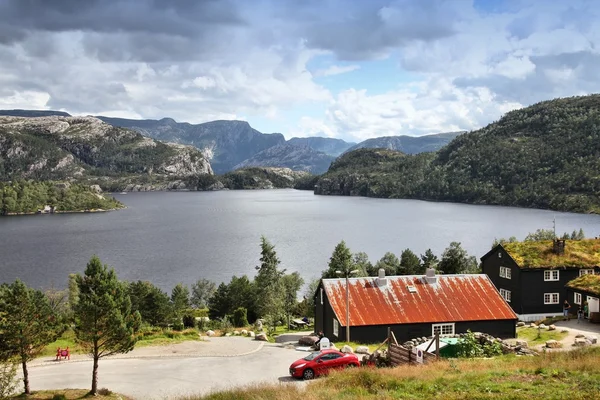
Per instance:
(531,276)
(412,306)
(585,288)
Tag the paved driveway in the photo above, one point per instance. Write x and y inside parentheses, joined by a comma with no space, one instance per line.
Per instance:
(168,377)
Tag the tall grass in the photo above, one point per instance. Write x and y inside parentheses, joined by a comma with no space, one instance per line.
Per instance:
(573,375)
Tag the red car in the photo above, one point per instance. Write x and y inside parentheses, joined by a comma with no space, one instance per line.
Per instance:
(320,362)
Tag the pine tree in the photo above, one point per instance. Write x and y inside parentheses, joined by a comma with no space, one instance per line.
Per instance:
(180,301)
(455,260)
(104,323)
(428,260)
(29,324)
(341,260)
(389,262)
(291,285)
(202,290)
(409,263)
(268,284)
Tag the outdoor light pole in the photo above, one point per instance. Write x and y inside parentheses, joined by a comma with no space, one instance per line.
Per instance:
(347,274)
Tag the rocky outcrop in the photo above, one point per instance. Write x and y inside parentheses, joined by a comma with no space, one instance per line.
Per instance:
(295,157)
(83,148)
(408,144)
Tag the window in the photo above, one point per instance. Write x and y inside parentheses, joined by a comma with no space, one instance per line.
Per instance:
(550,298)
(321,295)
(577,299)
(551,275)
(505,294)
(586,272)
(442,329)
(336,328)
(329,356)
(499,255)
(505,272)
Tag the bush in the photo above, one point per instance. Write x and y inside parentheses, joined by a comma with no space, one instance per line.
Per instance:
(240,317)
(470,347)
(226,325)
(59,396)
(104,392)
(8,379)
(178,326)
(189,321)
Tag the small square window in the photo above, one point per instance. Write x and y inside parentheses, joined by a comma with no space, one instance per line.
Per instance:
(577,298)
(505,272)
(551,275)
(442,329)
(550,298)
(505,294)
(336,328)
(586,272)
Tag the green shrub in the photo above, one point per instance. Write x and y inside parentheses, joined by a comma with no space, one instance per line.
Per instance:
(240,317)
(59,396)
(178,326)
(8,379)
(104,392)
(226,325)
(189,321)
(470,347)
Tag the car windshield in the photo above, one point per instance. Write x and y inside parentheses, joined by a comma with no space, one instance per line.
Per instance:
(312,356)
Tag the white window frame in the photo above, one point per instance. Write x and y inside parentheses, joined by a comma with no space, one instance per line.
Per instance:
(577,298)
(445,329)
(551,298)
(336,328)
(505,272)
(505,295)
(551,275)
(586,272)
(321,296)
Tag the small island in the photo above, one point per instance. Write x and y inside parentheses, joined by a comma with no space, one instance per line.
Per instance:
(30,197)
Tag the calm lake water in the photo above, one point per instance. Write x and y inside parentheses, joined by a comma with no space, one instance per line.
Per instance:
(171,237)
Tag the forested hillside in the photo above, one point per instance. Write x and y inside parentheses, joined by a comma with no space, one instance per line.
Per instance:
(543,156)
(29,197)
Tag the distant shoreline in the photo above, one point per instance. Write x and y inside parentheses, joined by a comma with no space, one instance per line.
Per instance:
(95,210)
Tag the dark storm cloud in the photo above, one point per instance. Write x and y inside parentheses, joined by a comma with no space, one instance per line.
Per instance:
(363,30)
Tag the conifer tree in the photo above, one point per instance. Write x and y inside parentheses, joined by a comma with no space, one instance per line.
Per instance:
(104,323)
(341,260)
(269,293)
(27,325)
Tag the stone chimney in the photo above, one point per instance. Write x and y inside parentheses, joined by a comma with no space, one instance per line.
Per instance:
(381,279)
(430,276)
(559,246)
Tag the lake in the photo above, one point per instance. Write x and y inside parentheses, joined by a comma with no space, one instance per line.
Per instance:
(171,237)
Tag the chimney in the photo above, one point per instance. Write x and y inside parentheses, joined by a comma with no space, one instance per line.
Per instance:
(381,279)
(430,276)
(559,246)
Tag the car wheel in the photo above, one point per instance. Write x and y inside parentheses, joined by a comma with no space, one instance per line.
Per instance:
(308,374)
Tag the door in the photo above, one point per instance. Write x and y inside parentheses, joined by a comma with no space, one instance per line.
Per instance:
(593,304)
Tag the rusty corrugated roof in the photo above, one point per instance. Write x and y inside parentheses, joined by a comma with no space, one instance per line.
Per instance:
(452,298)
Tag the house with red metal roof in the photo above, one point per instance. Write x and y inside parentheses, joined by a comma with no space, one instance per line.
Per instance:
(532,275)
(411,306)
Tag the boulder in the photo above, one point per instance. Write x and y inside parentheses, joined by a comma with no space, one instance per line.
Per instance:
(228,334)
(244,332)
(553,344)
(592,339)
(308,340)
(347,349)
(552,327)
(262,337)
(581,342)
(362,350)
(251,334)
(333,347)
(520,323)
(578,336)
(236,333)
(532,325)
(542,326)
(522,343)
(210,333)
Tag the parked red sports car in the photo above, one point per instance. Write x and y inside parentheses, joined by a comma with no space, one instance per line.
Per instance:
(321,362)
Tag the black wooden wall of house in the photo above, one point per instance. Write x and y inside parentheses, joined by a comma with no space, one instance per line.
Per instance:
(403,332)
(491,264)
(324,316)
(533,287)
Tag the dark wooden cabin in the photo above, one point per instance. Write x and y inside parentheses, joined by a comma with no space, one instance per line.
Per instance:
(412,306)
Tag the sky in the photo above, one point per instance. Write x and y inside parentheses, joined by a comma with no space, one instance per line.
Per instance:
(349,69)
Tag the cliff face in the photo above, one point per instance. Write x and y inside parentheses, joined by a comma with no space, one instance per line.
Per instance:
(78,148)
(295,157)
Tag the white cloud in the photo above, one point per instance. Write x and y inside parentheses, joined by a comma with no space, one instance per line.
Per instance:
(336,70)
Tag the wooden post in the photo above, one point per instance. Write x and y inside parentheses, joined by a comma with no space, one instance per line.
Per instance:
(389,340)
(393,337)
(437,346)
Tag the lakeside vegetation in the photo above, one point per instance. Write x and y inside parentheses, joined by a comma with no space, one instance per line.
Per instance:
(542,156)
(29,197)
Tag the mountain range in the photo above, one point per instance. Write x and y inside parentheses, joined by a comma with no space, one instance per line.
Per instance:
(235,144)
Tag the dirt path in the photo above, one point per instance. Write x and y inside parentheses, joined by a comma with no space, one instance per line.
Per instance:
(573,328)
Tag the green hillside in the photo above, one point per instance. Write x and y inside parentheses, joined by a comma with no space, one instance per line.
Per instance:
(543,156)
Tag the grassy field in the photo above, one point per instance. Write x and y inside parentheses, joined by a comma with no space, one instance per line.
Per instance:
(148,338)
(70,394)
(571,375)
(531,335)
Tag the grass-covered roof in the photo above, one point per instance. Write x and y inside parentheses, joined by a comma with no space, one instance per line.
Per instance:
(588,283)
(540,254)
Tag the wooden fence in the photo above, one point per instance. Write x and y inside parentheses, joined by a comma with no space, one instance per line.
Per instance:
(399,354)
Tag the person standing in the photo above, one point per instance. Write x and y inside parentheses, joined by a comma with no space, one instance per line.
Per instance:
(580,314)
(586,310)
(566,307)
